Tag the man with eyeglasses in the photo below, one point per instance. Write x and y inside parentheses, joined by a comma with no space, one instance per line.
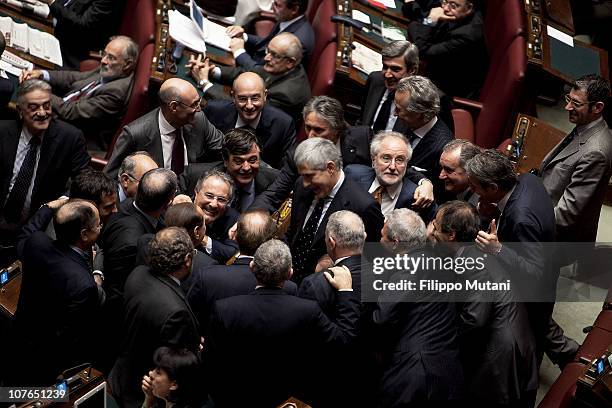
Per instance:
(576,172)
(249,110)
(175,134)
(385,180)
(283,75)
(94,101)
(241,160)
(451,41)
(39,155)
(214,192)
(132,168)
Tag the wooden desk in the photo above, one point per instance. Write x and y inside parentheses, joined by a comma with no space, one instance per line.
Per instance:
(9,296)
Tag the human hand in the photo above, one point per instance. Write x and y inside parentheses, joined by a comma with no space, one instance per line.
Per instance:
(30,74)
(436,15)
(234,31)
(56,204)
(231,234)
(147,386)
(423,195)
(200,70)
(488,242)
(324,262)
(342,278)
(236,44)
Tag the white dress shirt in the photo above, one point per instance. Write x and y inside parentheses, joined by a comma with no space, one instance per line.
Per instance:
(389,196)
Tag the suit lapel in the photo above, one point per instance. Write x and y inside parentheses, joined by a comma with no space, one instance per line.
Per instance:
(377,94)
(406,194)
(574,146)
(340,202)
(155,139)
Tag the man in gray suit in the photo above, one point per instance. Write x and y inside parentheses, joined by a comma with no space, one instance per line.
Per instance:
(577,171)
(94,101)
(175,134)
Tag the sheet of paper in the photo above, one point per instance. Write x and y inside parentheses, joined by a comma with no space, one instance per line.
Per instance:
(215,35)
(361,16)
(45,46)
(387,3)
(392,32)
(182,29)
(365,59)
(6,27)
(19,36)
(560,35)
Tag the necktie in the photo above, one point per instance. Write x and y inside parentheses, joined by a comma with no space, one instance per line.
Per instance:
(16,199)
(303,250)
(378,193)
(178,154)
(383,114)
(412,137)
(564,143)
(78,94)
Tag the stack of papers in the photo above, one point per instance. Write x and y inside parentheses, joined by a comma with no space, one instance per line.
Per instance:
(365,59)
(27,39)
(185,30)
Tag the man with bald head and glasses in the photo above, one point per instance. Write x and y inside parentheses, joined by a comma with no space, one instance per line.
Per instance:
(175,134)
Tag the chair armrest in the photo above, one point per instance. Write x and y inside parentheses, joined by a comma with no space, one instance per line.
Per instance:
(265,14)
(464,124)
(467,103)
(98,163)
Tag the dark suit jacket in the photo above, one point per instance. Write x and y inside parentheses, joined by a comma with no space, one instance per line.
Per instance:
(275,131)
(63,154)
(223,248)
(119,239)
(200,259)
(95,19)
(452,51)
(189,178)
(349,197)
(58,307)
(256,46)
(288,92)
(207,285)
(375,89)
(98,113)
(156,314)
(202,139)
(365,175)
(255,339)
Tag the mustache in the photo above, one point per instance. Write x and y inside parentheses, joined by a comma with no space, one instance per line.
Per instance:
(40,118)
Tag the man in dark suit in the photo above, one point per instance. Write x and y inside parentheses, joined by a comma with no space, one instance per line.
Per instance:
(207,285)
(497,344)
(417,330)
(157,314)
(213,194)
(527,219)
(451,42)
(95,20)
(291,19)
(385,179)
(94,101)
(453,159)
(284,77)
(130,172)
(175,134)
(58,307)
(253,338)
(400,59)
(275,129)
(241,161)
(321,190)
(417,104)
(324,117)
(39,155)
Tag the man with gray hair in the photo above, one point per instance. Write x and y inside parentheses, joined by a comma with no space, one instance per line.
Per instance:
(453,160)
(40,154)
(131,170)
(421,332)
(252,336)
(321,190)
(94,101)
(418,104)
(386,178)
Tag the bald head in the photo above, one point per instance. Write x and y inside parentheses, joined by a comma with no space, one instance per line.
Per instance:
(284,54)
(156,191)
(77,223)
(132,168)
(249,93)
(253,229)
(179,101)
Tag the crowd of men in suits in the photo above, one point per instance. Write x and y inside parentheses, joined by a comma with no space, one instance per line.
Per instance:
(178,243)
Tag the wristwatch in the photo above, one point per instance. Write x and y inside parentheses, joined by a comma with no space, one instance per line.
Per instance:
(203,83)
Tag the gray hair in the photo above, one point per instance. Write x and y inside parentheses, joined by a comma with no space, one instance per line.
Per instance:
(402,48)
(468,150)
(347,229)
(424,96)
(169,249)
(131,48)
(491,167)
(407,228)
(128,165)
(316,152)
(31,85)
(216,173)
(272,263)
(294,47)
(329,109)
(380,137)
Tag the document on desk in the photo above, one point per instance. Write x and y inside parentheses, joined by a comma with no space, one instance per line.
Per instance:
(45,46)
(183,30)
(216,35)
(365,59)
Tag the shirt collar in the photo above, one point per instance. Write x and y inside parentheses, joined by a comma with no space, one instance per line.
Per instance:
(284,24)
(240,123)
(165,127)
(175,279)
(122,195)
(423,130)
(152,220)
(337,186)
(79,251)
(342,258)
(27,136)
(502,203)
(392,191)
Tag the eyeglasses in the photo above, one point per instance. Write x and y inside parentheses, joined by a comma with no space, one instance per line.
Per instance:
(220,199)
(387,159)
(132,177)
(195,106)
(244,99)
(275,55)
(576,104)
(451,4)
(35,107)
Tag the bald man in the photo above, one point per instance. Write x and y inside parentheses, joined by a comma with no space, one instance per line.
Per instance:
(175,134)
(275,130)
(282,72)
(132,168)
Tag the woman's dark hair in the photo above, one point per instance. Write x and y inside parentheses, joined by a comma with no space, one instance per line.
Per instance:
(183,367)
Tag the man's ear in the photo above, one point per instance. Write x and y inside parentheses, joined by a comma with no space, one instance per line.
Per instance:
(290,273)
(332,242)
(598,107)
(129,66)
(331,166)
(251,266)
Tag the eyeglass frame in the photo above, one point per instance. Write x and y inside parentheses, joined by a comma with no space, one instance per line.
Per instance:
(575,103)
(451,4)
(387,161)
(224,201)
(275,55)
